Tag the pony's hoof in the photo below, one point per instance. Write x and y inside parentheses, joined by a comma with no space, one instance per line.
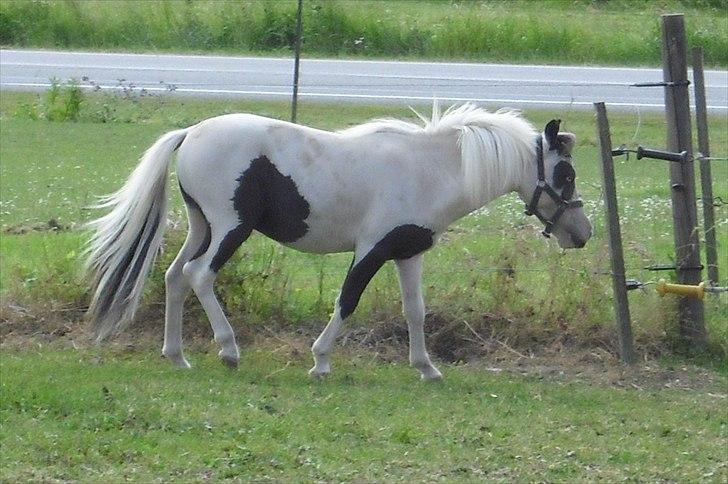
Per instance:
(431,374)
(230,357)
(178,361)
(318,373)
(230,361)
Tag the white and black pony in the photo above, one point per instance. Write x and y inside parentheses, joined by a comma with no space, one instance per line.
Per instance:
(385,190)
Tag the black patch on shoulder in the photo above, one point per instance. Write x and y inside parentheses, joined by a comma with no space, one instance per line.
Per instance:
(564,178)
(193,205)
(402,242)
(270,202)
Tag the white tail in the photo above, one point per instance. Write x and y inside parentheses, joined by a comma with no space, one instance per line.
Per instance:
(126,240)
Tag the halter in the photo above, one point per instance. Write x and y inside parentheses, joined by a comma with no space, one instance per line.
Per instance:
(543,186)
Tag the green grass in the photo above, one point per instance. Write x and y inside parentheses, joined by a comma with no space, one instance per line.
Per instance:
(126,415)
(53,170)
(617,32)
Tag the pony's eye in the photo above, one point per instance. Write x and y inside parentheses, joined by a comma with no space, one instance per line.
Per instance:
(569,179)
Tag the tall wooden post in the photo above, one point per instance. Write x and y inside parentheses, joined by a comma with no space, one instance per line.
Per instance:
(297,61)
(706,179)
(682,178)
(619,283)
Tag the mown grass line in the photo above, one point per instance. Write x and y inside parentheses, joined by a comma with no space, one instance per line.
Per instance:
(52,170)
(618,32)
(100,415)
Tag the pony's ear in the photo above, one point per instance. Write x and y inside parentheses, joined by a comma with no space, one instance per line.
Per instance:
(566,142)
(551,132)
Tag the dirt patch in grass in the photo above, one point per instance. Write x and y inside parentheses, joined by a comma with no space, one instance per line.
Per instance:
(51,225)
(557,360)
(456,342)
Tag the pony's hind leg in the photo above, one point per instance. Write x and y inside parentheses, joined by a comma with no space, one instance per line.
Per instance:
(201,273)
(177,287)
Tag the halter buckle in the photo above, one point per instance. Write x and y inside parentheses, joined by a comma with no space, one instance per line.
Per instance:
(548,227)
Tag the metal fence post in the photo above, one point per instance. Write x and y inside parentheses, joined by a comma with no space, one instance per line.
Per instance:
(682,178)
(297,61)
(706,179)
(619,283)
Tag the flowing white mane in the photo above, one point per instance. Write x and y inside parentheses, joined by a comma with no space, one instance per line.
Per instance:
(495,147)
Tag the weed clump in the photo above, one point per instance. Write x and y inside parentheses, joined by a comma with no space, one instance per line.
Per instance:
(63,102)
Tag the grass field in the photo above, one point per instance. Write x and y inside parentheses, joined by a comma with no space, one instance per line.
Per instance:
(113,415)
(71,411)
(616,32)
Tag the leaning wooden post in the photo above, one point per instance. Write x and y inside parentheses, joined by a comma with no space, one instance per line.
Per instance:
(297,61)
(619,283)
(706,179)
(682,178)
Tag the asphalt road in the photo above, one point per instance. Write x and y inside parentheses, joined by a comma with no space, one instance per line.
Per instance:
(494,85)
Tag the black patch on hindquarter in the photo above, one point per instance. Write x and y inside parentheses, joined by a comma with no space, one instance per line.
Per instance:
(192,205)
(229,244)
(266,201)
(564,178)
(402,242)
(271,202)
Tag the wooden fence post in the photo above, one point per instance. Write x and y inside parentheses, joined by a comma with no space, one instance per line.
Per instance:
(619,283)
(682,178)
(706,179)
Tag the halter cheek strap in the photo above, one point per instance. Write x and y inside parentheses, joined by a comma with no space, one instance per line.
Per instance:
(543,186)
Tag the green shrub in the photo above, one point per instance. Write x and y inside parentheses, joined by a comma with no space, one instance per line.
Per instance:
(559,31)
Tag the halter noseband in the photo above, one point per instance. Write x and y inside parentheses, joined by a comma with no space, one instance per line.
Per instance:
(543,186)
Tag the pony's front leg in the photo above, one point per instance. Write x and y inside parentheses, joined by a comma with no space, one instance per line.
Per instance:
(321,348)
(363,268)
(413,306)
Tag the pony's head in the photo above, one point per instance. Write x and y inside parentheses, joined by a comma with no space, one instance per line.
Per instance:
(549,190)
